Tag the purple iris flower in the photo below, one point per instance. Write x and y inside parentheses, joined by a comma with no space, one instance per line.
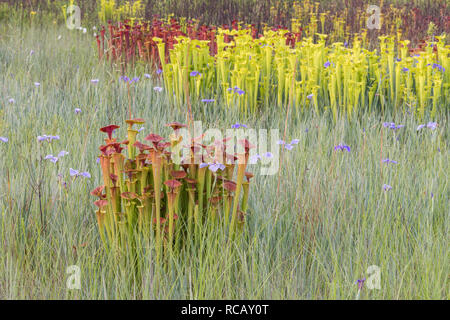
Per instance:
(387,160)
(295,141)
(77,110)
(4,139)
(51,158)
(37,84)
(405,69)
(268,155)
(147,75)
(420,126)
(194,73)
(254,159)
(208,100)
(432,125)
(62,154)
(386,187)
(327,64)
(360,283)
(47,138)
(135,79)
(94,81)
(213,166)
(281,142)
(289,146)
(439,67)
(76,173)
(238,125)
(342,147)
(237,90)
(97,160)
(159,71)
(159,89)
(391,125)
(124,79)
(11,100)
(310,96)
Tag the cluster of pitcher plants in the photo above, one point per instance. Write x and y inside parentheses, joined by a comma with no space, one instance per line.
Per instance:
(249,70)
(159,193)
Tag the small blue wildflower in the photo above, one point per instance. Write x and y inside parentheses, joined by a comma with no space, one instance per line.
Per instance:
(51,158)
(11,100)
(439,67)
(208,100)
(76,173)
(47,138)
(159,89)
(216,166)
(4,139)
(124,79)
(254,159)
(194,73)
(268,155)
(342,147)
(238,125)
(391,125)
(432,125)
(387,160)
(327,64)
(310,96)
(37,84)
(420,126)
(94,81)
(159,71)
(77,110)
(386,187)
(289,146)
(360,283)
(147,75)
(405,69)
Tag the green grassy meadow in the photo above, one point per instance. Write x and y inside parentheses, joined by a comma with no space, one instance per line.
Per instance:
(311,237)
